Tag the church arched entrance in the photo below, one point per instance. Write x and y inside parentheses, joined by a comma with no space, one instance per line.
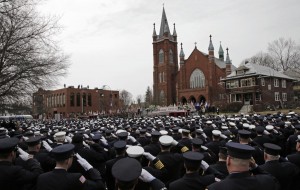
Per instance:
(192,99)
(201,99)
(183,100)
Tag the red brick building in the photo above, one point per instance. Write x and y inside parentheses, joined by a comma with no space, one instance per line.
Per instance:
(196,79)
(70,101)
(260,86)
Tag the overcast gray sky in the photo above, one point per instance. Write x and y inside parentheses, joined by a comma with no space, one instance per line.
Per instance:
(110,41)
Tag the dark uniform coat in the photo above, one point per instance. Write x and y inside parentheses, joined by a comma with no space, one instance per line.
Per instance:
(15,177)
(60,179)
(244,181)
(192,181)
(109,178)
(221,167)
(285,172)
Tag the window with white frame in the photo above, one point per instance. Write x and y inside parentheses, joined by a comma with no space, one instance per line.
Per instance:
(283,83)
(276,83)
(262,81)
(232,84)
(277,98)
(284,96)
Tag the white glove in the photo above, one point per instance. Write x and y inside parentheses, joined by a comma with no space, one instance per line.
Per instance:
(92,134)
(275,131)
(86,166)
(204,135)
(149,156)
(223,136)
(174,142)
(47,146)
(86,136)
(204,148)
(114,136)
(25,138)
(23,155)
(132,139)
(204,165)
(69,139)
(86,145)
(148,134)
(146,176)
(104,141)
(49,141)
(266,132)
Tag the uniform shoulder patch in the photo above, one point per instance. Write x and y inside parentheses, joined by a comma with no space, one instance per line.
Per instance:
(82,179)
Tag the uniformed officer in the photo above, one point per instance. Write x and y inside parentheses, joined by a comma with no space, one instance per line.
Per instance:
(240,178)
(220,166)
(285,172)
(60,179)
(192,180)
(127,171)
(120,148)
(16,177)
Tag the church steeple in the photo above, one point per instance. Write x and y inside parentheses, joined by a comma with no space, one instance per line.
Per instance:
(154,35)
(228,63)
(174,33)
(221,52)
(164,26)
(210,48)
(181,55)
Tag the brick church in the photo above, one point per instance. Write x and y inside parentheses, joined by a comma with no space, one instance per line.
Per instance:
(196,79)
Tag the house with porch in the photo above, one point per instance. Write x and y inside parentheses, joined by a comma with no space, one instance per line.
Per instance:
(258,86)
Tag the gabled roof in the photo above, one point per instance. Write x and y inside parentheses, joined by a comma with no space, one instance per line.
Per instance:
(255,69)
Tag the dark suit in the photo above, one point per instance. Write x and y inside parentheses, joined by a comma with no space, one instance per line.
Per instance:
(221,167)
(192,181)
(244,181)
(295,159)
(285,172)
(60,179)
(173,164)
(153,148)
(15,177)
(109,178)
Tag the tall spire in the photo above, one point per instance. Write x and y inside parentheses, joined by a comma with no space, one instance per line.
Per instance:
(154,31)
(211,46)
(181,55)
(174,31)
(228,61)
(164,26)
(221,52)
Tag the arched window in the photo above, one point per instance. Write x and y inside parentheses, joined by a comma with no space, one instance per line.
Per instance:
(161,56)
(78,99)
(197,79)
(89,99)
(171,57)
(162,97)
(72,99)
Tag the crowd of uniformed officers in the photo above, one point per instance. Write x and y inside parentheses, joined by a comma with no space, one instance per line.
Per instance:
(213,152)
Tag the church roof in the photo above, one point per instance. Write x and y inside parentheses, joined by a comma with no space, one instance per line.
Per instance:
(255,69)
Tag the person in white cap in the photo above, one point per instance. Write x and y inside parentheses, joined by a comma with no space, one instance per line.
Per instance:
(171,161)
(216,142)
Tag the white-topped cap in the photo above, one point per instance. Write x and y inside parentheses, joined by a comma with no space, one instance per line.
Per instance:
(246,125)
(269,127)
(216,132)
(135,151)
(166,140)
(163,132)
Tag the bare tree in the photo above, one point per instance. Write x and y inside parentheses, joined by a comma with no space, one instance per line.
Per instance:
(285,54)
(126,99)
(282,55)
(29,57)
